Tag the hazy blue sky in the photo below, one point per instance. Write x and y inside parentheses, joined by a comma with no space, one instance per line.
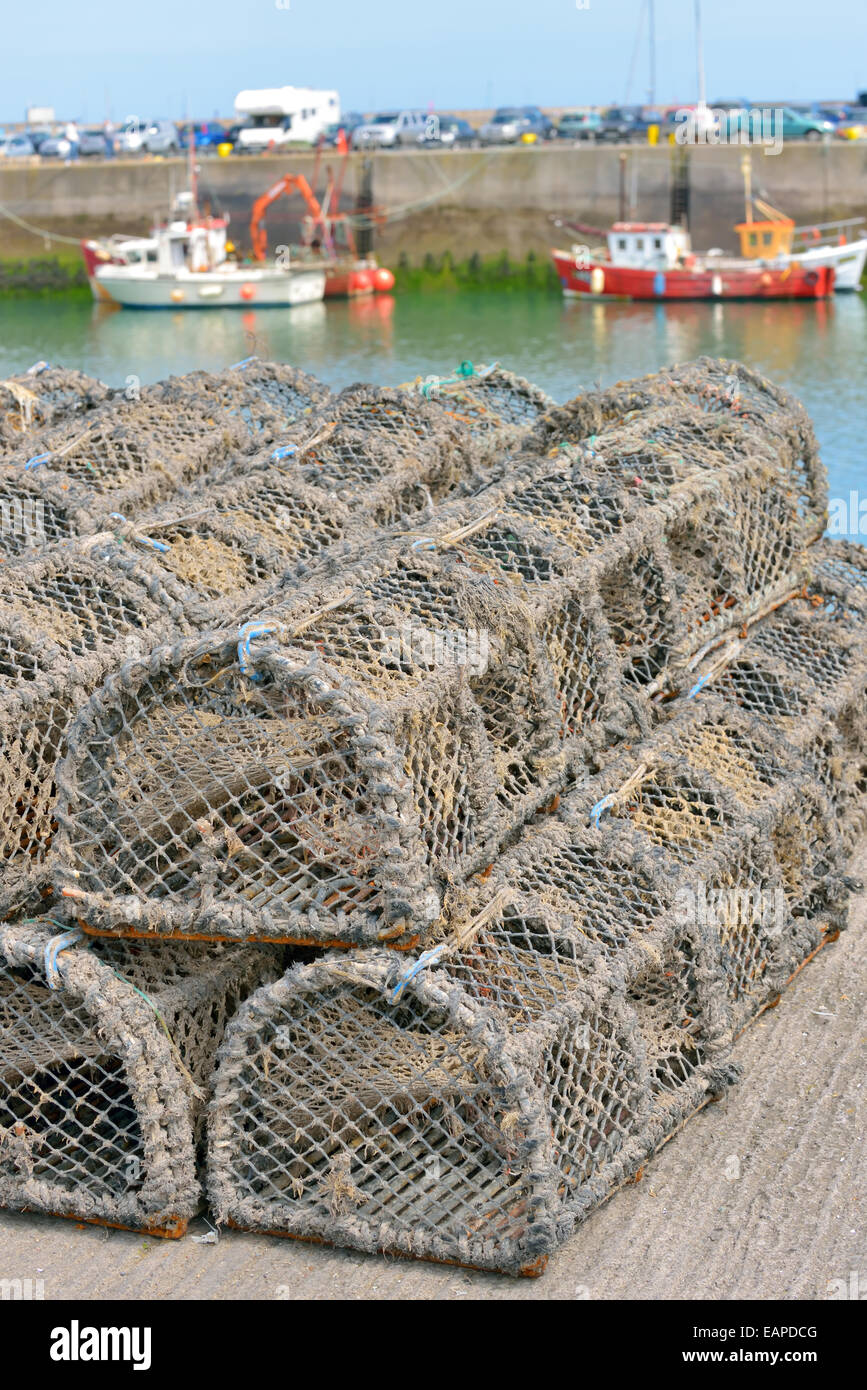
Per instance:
(150,58)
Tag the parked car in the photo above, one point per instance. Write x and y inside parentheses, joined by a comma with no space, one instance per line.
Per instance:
(348,124)
(131,136)
(161,137)
(92,142)
(16,147)
(55,147)
(209,134)
(623,124)
(795,125)
(578,125)
(447,132)
(390,128)
(37,138)
(509,124)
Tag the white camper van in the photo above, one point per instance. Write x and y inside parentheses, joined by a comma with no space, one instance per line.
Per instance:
(284,115)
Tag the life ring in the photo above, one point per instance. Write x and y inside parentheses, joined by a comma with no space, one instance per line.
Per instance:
(811,277)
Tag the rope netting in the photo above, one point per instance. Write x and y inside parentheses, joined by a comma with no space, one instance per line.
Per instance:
(44,396)
(105,1053)
(263,397)
(67,618)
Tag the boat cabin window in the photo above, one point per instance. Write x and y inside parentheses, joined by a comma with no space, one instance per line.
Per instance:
(766,238)
(639,243)
(657,243)
(621,243)
(754,241)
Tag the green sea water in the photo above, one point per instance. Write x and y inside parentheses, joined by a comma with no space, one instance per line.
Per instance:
(818,350)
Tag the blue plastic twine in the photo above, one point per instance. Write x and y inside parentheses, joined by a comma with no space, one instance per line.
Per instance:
(36,460)
(52,951)
(161,546)
(284,452)
(245,636)
(425,959)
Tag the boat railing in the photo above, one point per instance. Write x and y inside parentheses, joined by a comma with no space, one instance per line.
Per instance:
(828,233)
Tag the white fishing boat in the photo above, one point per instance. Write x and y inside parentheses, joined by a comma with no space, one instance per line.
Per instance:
(186,264)
(190,270)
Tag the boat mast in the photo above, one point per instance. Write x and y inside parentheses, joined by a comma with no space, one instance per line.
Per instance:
(652,25)
(194,184)
(699,57)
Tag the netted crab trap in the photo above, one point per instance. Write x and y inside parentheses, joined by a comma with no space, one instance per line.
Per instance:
(104,1056)
(711,387)
(263,397)
(801,670)
(67,618)
(45,396)
(120,457)
(504,655)
(473,1104)
(495,406)
(368,436)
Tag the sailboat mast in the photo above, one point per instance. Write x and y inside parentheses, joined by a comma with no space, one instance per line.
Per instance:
(652,26)
(194,183)
(699,56)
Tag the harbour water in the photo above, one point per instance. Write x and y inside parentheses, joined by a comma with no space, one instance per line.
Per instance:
(817,350)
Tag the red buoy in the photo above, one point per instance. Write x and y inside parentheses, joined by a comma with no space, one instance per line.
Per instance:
(247,291)
(383,280)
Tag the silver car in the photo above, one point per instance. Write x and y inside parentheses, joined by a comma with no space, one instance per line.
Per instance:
(16,147)
(390,129)
(161,137)
(505,127)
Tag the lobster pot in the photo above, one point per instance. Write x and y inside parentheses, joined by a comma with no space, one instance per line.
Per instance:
(65,620)
(45,396)
(104,1054)
(127,453)
(262,397)
(247,536)
(372,1107)
(725,400)
(719,805)
(363,437)
(613,963)
(493,405)
(802,671)
(38,511)
(490,669)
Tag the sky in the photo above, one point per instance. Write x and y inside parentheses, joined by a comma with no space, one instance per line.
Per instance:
(165,58)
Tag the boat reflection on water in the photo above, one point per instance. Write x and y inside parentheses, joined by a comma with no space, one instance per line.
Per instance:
(158,345)
(771,333)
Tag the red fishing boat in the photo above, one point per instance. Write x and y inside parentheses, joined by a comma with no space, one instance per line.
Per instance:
(655,260)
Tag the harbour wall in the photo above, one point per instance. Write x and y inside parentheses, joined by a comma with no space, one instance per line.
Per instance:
(481,201)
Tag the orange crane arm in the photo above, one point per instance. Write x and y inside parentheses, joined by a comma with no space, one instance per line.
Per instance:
(289,182)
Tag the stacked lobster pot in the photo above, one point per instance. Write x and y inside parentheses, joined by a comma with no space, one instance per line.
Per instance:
(473,1103)
(68,617)
(106,1054)
(551,719)
(263,397)
(364,461)
(378,733)
(45,396)
(495,406)
(90,472)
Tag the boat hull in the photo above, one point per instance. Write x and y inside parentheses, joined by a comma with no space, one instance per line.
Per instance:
(847,261)
(601,280)
(136,288)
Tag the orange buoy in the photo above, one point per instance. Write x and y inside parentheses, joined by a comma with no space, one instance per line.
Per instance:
(360,282)
(247,291)
(383,279)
